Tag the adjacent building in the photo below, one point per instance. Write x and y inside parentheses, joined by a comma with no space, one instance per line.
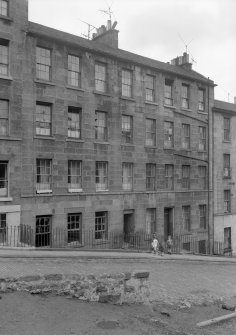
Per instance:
(224,174)
(96,138)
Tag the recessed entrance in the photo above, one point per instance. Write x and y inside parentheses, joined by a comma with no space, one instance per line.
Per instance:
(168,222)
(227,237)
(128,227)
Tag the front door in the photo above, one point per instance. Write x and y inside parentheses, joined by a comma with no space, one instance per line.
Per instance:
(43,231)
(168,222)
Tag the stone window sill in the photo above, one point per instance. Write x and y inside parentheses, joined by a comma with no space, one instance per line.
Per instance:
(75,190)
(7,18)
(44,192)
(151,103)
(100,142)
(44,82)
(102,93)
(6,77)
(71,139)
(8,138)
(102,190)
(128,144)
(186,109)
(6,199)
(170,106)
(75,88)
(169,148)
(127,98)
(38,137)
(150,147)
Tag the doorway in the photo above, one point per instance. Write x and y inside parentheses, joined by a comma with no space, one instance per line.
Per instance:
(128,227)
(168,222)
(227,238)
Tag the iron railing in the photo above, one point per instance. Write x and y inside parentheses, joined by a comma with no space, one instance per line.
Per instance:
(26,237)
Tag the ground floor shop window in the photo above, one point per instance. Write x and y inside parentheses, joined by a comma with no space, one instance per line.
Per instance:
(74,223)
(101,225)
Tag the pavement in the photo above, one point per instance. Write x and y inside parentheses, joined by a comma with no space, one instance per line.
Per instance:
(106,254)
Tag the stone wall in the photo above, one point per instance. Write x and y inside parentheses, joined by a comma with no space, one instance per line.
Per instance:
(106,288)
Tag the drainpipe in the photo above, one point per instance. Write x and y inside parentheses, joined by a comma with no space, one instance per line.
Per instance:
(213,183)
(209,181)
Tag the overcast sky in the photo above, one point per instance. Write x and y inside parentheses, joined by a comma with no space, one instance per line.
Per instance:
(159,29)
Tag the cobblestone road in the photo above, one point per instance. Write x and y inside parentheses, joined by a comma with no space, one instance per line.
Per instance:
(170,279)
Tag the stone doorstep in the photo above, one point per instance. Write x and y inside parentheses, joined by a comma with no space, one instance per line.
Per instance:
(106,288)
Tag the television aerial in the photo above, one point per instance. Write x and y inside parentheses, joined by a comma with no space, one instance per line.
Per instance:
(108,11)
(186,48)
(90,28)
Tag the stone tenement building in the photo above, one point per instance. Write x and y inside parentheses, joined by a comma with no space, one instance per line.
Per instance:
(224,173)
(97,138)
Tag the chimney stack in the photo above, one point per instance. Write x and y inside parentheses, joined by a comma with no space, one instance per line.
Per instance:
(107,35)
(182,61)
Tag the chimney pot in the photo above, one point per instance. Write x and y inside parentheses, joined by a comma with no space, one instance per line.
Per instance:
(108,24)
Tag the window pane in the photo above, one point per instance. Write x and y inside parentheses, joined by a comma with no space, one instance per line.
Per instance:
(150,221)
(202,139)
(74,226)
(186,176)
(202,210)
(185,96)
(3,179)
(101,225)
(150,177)
(100,126)
(74,76)
(127,129)
(100,77)
(74,175)
(169,176)
(127,176)
(4,7)
(201,100)
(44,175)
(185,136)
(150,132)
(186,218)
(227,201)
(149,88)
(101,176)
(4,117)
(168,92)
(169,134)
(74,122)
(43,120)
(4,58)
(202,172)
(226,129)
(43,63)
(126,83)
